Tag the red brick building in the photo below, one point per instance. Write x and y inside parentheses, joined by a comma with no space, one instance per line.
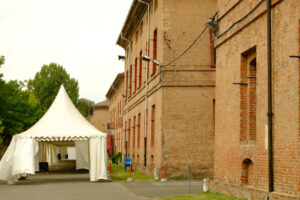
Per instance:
(168,111)
(241,142)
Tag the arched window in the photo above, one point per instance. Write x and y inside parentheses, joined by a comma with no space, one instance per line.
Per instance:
(247,172)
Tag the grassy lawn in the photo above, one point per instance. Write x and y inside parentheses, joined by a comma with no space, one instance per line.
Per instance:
(118,174)
(203,196)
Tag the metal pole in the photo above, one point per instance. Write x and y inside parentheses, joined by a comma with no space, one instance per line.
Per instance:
(146,83)
(189,178)
(270,112)
(115,117)
(128,63)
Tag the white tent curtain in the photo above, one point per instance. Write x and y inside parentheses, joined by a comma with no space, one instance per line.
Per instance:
(19,159)
(98,164)
(82,152)
(48,153)
(71,153)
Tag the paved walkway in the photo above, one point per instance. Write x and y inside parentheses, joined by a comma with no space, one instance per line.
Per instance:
(45,186)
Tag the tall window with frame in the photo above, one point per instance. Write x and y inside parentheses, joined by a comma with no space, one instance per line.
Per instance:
(248,95)
(135,74)
(130,81)
(125,134)
(129,124)
(152,125)
(139,130)
(154,50)
(126,84)
(148,56)
(141,69)
(133,133)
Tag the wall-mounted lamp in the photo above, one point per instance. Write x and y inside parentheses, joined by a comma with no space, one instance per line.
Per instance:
(212,25)
(147,58)
(121,57)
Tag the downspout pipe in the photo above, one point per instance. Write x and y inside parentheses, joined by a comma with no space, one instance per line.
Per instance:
(146,82)
(127,95)
(270,111)
(116,117)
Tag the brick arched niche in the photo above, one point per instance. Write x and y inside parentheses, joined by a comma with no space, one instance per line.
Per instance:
(247,172)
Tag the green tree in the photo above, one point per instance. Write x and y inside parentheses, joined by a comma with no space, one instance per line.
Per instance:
(47,82)
(2,82)
(19,109)
(84,106)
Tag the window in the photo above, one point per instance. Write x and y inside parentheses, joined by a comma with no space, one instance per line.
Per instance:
(214,113)
(247,172)
(141,68)
(248,96)
(133,133)
(142,26)
(155,4)
(139,130)
(129,123)
(212,51)
(152,125)
(118,113)
(125,134)
(154,50)
(120,108)
(126,84)
(147,52)
(130,81)
(135,74)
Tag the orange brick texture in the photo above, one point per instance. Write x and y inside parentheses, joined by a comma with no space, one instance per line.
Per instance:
(241,157)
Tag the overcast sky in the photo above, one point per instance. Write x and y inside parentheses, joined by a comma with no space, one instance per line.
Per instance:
(80,35)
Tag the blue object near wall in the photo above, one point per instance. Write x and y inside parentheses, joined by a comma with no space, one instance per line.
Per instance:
(59,156)
(127,162)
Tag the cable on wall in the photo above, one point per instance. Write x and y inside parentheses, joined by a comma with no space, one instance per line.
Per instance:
(238,21)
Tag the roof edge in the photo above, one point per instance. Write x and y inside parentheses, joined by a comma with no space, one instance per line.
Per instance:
(133,19)
(114,85)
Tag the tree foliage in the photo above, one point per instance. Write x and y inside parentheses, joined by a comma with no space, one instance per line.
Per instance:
(47,82)
(19,109)
(84,106)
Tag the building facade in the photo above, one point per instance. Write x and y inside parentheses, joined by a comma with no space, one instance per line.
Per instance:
(98,116)
(115,95)
(168,110)
(241,138)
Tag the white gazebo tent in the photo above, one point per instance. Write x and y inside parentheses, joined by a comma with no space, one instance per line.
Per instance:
(61,125)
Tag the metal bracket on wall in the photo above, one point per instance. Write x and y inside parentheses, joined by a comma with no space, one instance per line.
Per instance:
(240,83)
(294,56)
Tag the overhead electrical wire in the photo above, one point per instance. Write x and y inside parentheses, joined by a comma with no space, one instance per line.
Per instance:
(238,21)
(191,45)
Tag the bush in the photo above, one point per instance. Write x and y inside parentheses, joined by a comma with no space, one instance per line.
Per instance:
(117,157)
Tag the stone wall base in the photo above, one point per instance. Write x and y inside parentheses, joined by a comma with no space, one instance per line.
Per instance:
(248,192)
(174,172)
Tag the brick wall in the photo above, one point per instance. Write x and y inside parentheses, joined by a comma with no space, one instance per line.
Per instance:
(235,141)
(182,92)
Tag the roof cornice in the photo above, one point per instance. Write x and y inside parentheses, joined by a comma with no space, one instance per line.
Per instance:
(115,85)
(133,19)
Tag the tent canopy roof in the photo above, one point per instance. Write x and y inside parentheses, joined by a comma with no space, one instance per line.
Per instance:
(62,122)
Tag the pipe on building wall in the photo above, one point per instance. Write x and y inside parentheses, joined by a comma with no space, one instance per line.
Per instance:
(127,95)
(115,113)
(270,110)
(146,82)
